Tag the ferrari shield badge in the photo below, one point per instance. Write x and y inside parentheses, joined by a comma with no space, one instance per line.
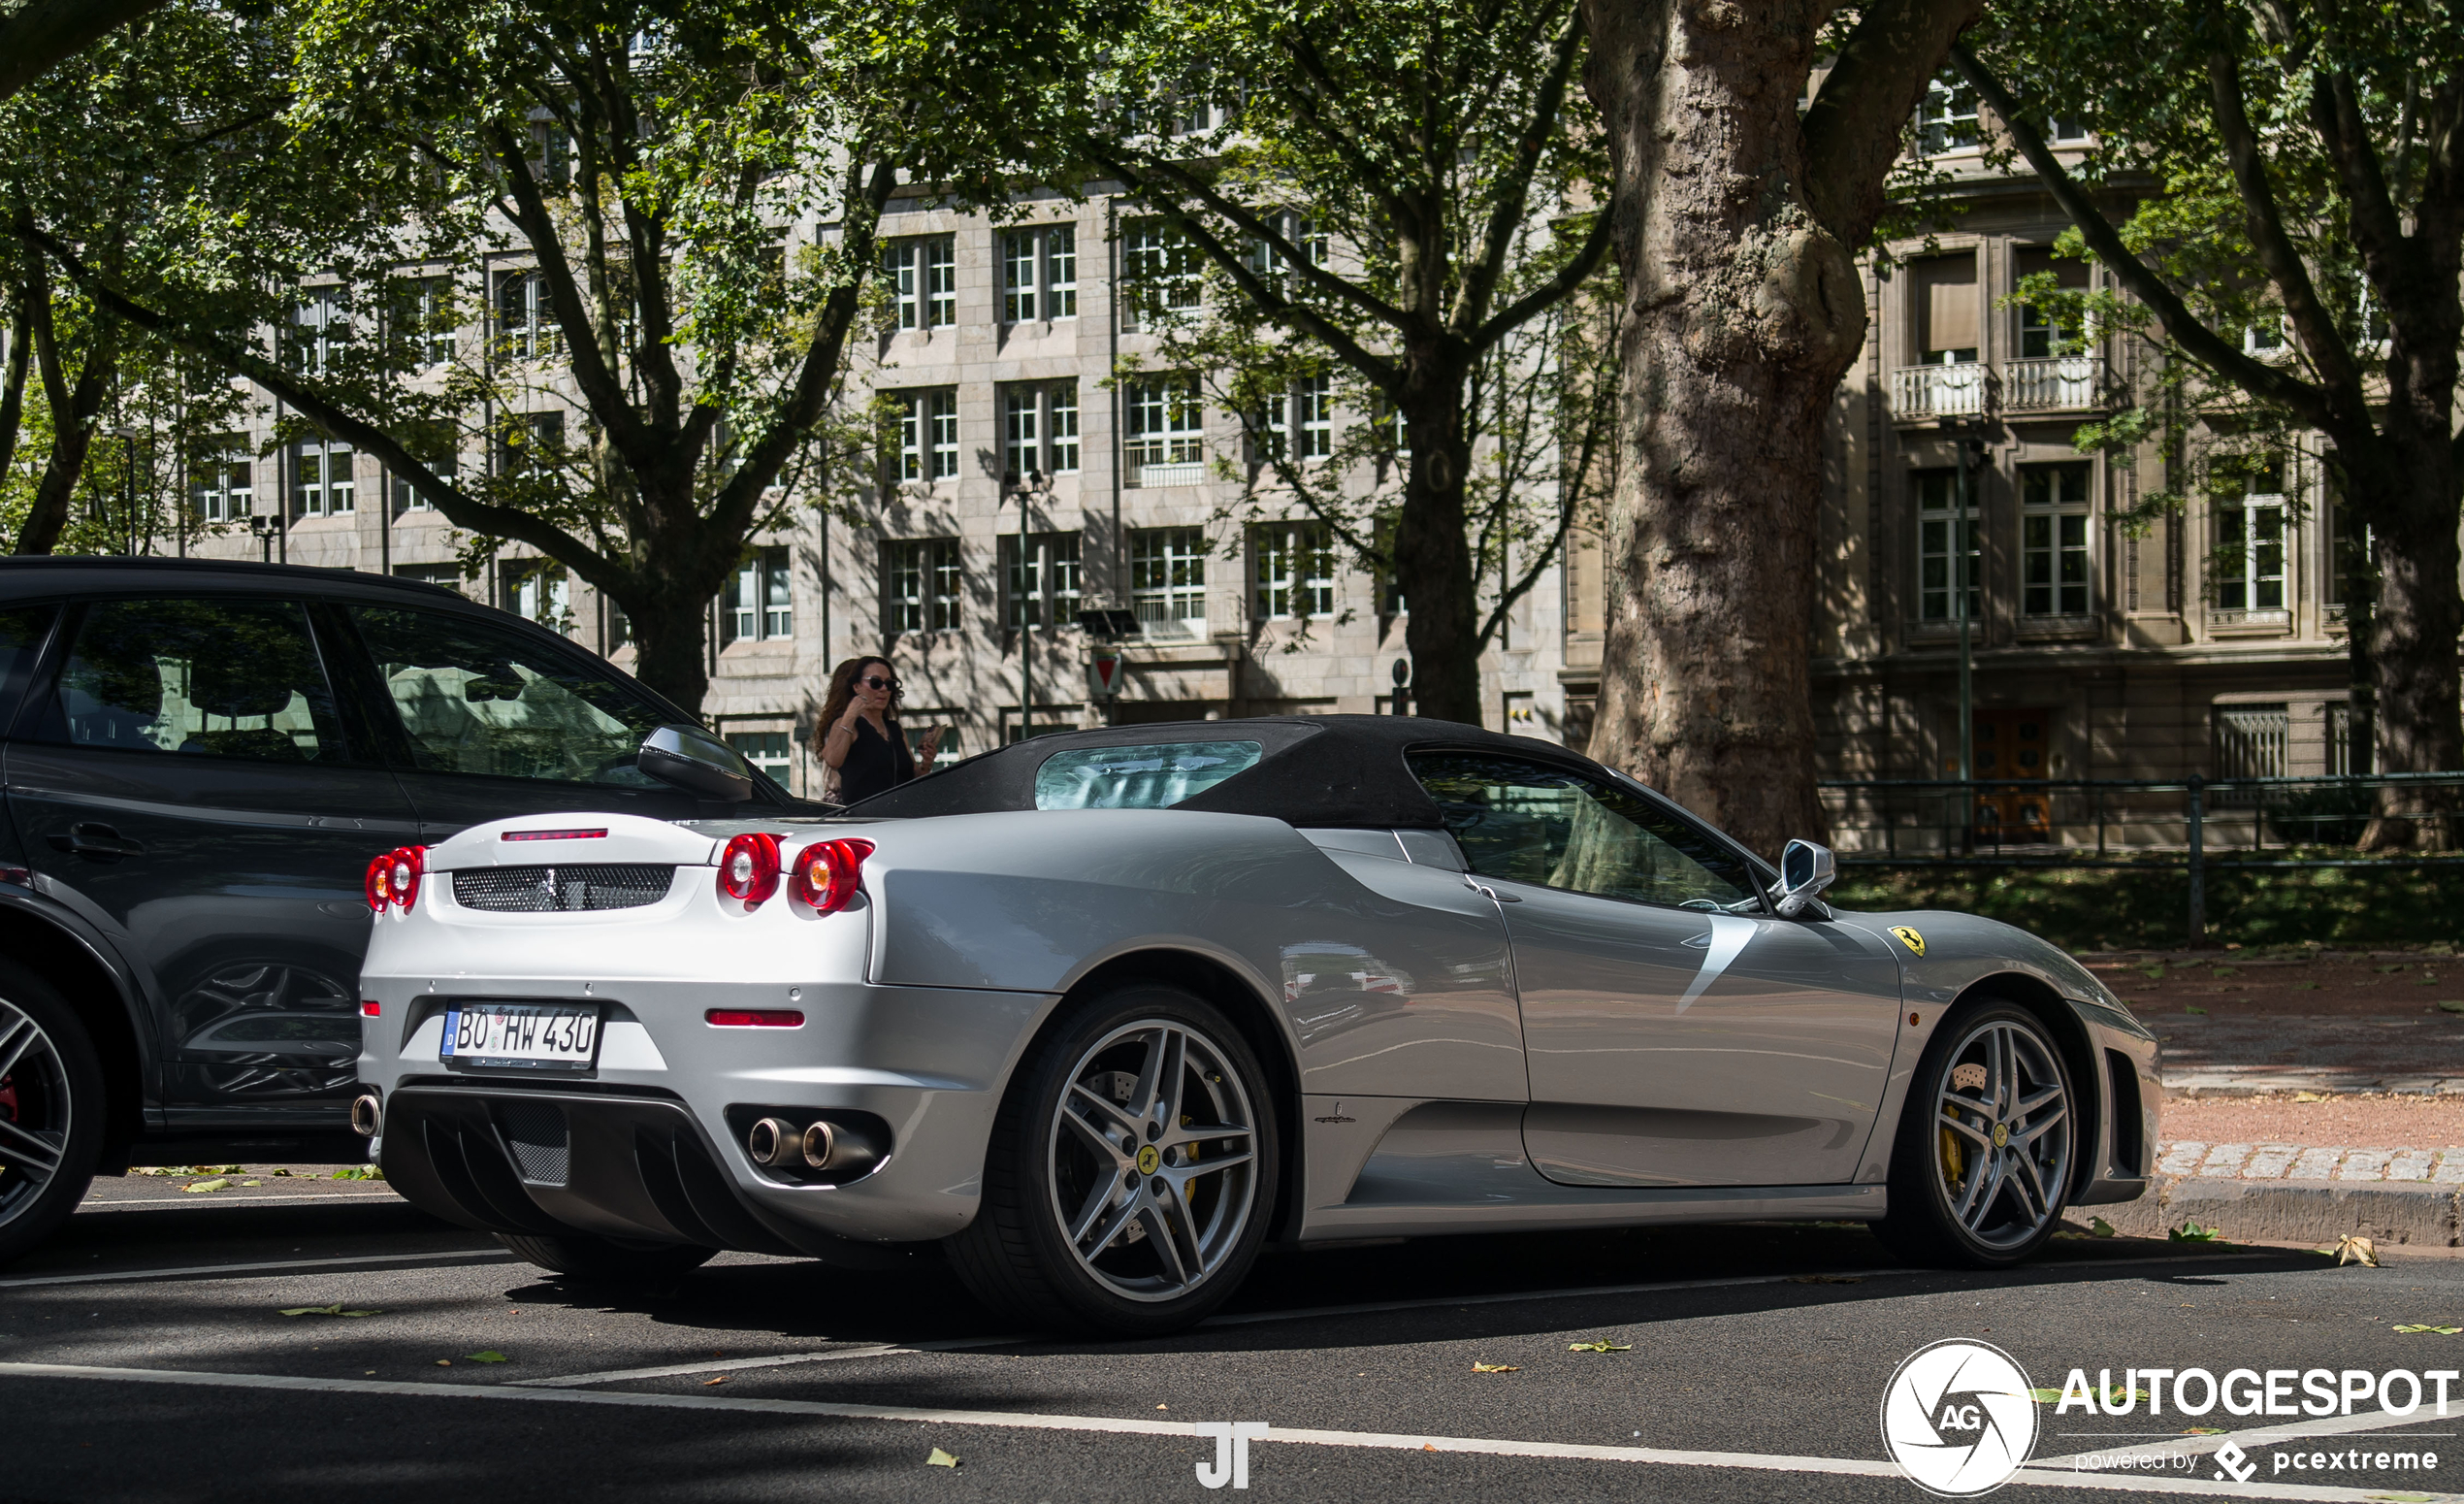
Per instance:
(1909,938)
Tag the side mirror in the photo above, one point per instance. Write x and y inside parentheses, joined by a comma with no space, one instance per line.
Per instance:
(1805,870)
(695,761)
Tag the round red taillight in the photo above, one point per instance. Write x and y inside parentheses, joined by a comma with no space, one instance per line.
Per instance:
(749,868)
(828,873)
(394,877)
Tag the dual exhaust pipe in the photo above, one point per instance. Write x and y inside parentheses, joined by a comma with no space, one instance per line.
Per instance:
(819,1145)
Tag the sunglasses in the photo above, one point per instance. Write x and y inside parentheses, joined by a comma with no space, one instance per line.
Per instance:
(876,681)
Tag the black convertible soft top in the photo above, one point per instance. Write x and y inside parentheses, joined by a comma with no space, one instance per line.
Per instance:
(1314,770)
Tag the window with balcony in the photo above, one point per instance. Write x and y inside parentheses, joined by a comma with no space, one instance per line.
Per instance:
(923,280)
(1947,556)
(1166,438)
(2054,540)
(1943,309)
(1294,568)
(2254,741)
(1168,580)
(1040,586)
(1039,274)
(921,583)
(2249,554)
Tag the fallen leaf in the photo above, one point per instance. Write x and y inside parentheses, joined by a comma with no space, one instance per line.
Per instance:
(1428,1445)
(1825,1279)
(940,1458)
(2444,1331)
(2192,1007)
(445,1362)
(358,1172)
(204,1186)
(285,1174)
(1495,1368)
(2192,1232)
(1163,1407)
(2099,1228)
(2310,1097)
(706,1383)
(2451,1004)
(485,1356)
(2204,1430)
(2350,1248)
(247,1183)
(2223,971)
(1599,1344)
(2045,1396)
(336,1309)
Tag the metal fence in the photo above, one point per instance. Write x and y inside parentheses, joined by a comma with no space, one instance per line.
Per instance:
(2194,825)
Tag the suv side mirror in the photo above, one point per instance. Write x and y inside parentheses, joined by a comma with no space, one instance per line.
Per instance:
(1805,870)
(695,761)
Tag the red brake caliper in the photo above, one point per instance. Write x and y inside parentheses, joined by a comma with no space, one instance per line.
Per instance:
(9,1098)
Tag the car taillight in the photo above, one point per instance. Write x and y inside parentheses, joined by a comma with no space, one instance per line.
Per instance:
(756,1018)
(394,877)
(749,868)
(830,873)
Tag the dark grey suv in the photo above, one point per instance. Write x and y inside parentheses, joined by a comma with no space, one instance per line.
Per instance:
(200,761)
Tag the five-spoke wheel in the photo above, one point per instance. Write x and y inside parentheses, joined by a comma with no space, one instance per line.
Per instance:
(1131,1170)
(1983,1165)
(50,1111)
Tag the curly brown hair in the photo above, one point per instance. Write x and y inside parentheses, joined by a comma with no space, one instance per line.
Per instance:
(842,694)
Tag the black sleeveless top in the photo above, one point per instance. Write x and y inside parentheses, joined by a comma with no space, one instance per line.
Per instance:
(874,765)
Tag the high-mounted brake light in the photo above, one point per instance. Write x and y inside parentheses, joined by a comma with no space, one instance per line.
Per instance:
(830,873)
(749,868)
(394,878)
(552,835)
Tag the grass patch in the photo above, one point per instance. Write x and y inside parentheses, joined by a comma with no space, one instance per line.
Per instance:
(2135,908)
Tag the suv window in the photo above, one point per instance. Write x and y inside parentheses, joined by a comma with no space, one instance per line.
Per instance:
(478,698)
(1532,823)
(208,678)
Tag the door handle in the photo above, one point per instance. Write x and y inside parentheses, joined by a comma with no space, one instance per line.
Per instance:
(93,839)
(1492,893)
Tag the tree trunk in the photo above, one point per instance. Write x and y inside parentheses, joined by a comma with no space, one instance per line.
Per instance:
(1742,314)
(1432,555)
(2413,628)
(669,637)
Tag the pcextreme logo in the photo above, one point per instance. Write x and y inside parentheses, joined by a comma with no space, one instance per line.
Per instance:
(1959,1418)
(1909,938)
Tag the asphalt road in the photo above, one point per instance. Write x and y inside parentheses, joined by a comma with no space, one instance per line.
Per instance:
(145,1356)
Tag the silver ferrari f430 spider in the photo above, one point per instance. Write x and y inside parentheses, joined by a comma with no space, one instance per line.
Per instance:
(1106,1013)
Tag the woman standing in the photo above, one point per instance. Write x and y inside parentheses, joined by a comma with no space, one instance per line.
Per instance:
(857,737)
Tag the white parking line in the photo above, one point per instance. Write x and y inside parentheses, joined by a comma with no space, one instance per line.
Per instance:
(254,1268)
(774,1360)
(1178,1429)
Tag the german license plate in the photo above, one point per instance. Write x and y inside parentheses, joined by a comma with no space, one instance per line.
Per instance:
(521,1035)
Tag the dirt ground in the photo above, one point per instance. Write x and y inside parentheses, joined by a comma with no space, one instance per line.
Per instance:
(2346,983)
(2373,1121)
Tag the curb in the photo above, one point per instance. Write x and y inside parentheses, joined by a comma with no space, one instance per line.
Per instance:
(2292,1211)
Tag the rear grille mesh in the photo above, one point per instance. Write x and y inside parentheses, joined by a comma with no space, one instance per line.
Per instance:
(540,1141)
(534,890)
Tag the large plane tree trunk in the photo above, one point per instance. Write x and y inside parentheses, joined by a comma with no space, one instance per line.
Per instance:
(1742,314)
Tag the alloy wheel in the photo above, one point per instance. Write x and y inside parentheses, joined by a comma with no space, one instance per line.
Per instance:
(34,1111)
(1153,1158)
(2003,1135)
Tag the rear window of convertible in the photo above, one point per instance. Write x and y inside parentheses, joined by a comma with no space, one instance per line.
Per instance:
(1148,777)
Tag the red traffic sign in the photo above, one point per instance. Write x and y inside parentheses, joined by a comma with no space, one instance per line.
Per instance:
(1104,670)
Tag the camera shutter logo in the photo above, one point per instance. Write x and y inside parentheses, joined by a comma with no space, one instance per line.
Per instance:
(1957,1418)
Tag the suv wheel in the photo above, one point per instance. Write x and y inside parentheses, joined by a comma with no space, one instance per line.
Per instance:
(50,1110)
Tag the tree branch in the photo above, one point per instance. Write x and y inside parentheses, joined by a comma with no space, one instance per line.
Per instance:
(1511,195)
(38,35)
(1854,129)
(2202,343)
(1569,277)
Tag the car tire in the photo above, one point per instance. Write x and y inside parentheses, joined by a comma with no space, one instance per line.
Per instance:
(1101,1212)
(1987,1142)
(586,1256)
(50,1110)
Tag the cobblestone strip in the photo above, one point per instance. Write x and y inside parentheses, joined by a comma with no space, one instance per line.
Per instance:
(2293,1161)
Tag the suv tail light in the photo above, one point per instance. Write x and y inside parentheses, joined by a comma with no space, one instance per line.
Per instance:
(749,868)
(830,873)
(394,878)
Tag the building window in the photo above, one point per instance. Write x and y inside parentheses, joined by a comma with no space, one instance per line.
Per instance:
(1945,117)
(524,323)
(1160,267)
(2054,540)
(1938,525)
(924,273)
(1313,416)
(1295,569)
(222,489)
(920,585)
(2348,553)
(928,435)
(2263,337)
(436,446)
(1267,259)
(321,330)
(1039,430)
(772,751)
(530,442)
(425,318)
(322,483)
(2343,758)
(2252,741)
(1166,442)
(761,598)
(1039,274)
(1041,587)
(2249,547)
(1168,579)
(535,590)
